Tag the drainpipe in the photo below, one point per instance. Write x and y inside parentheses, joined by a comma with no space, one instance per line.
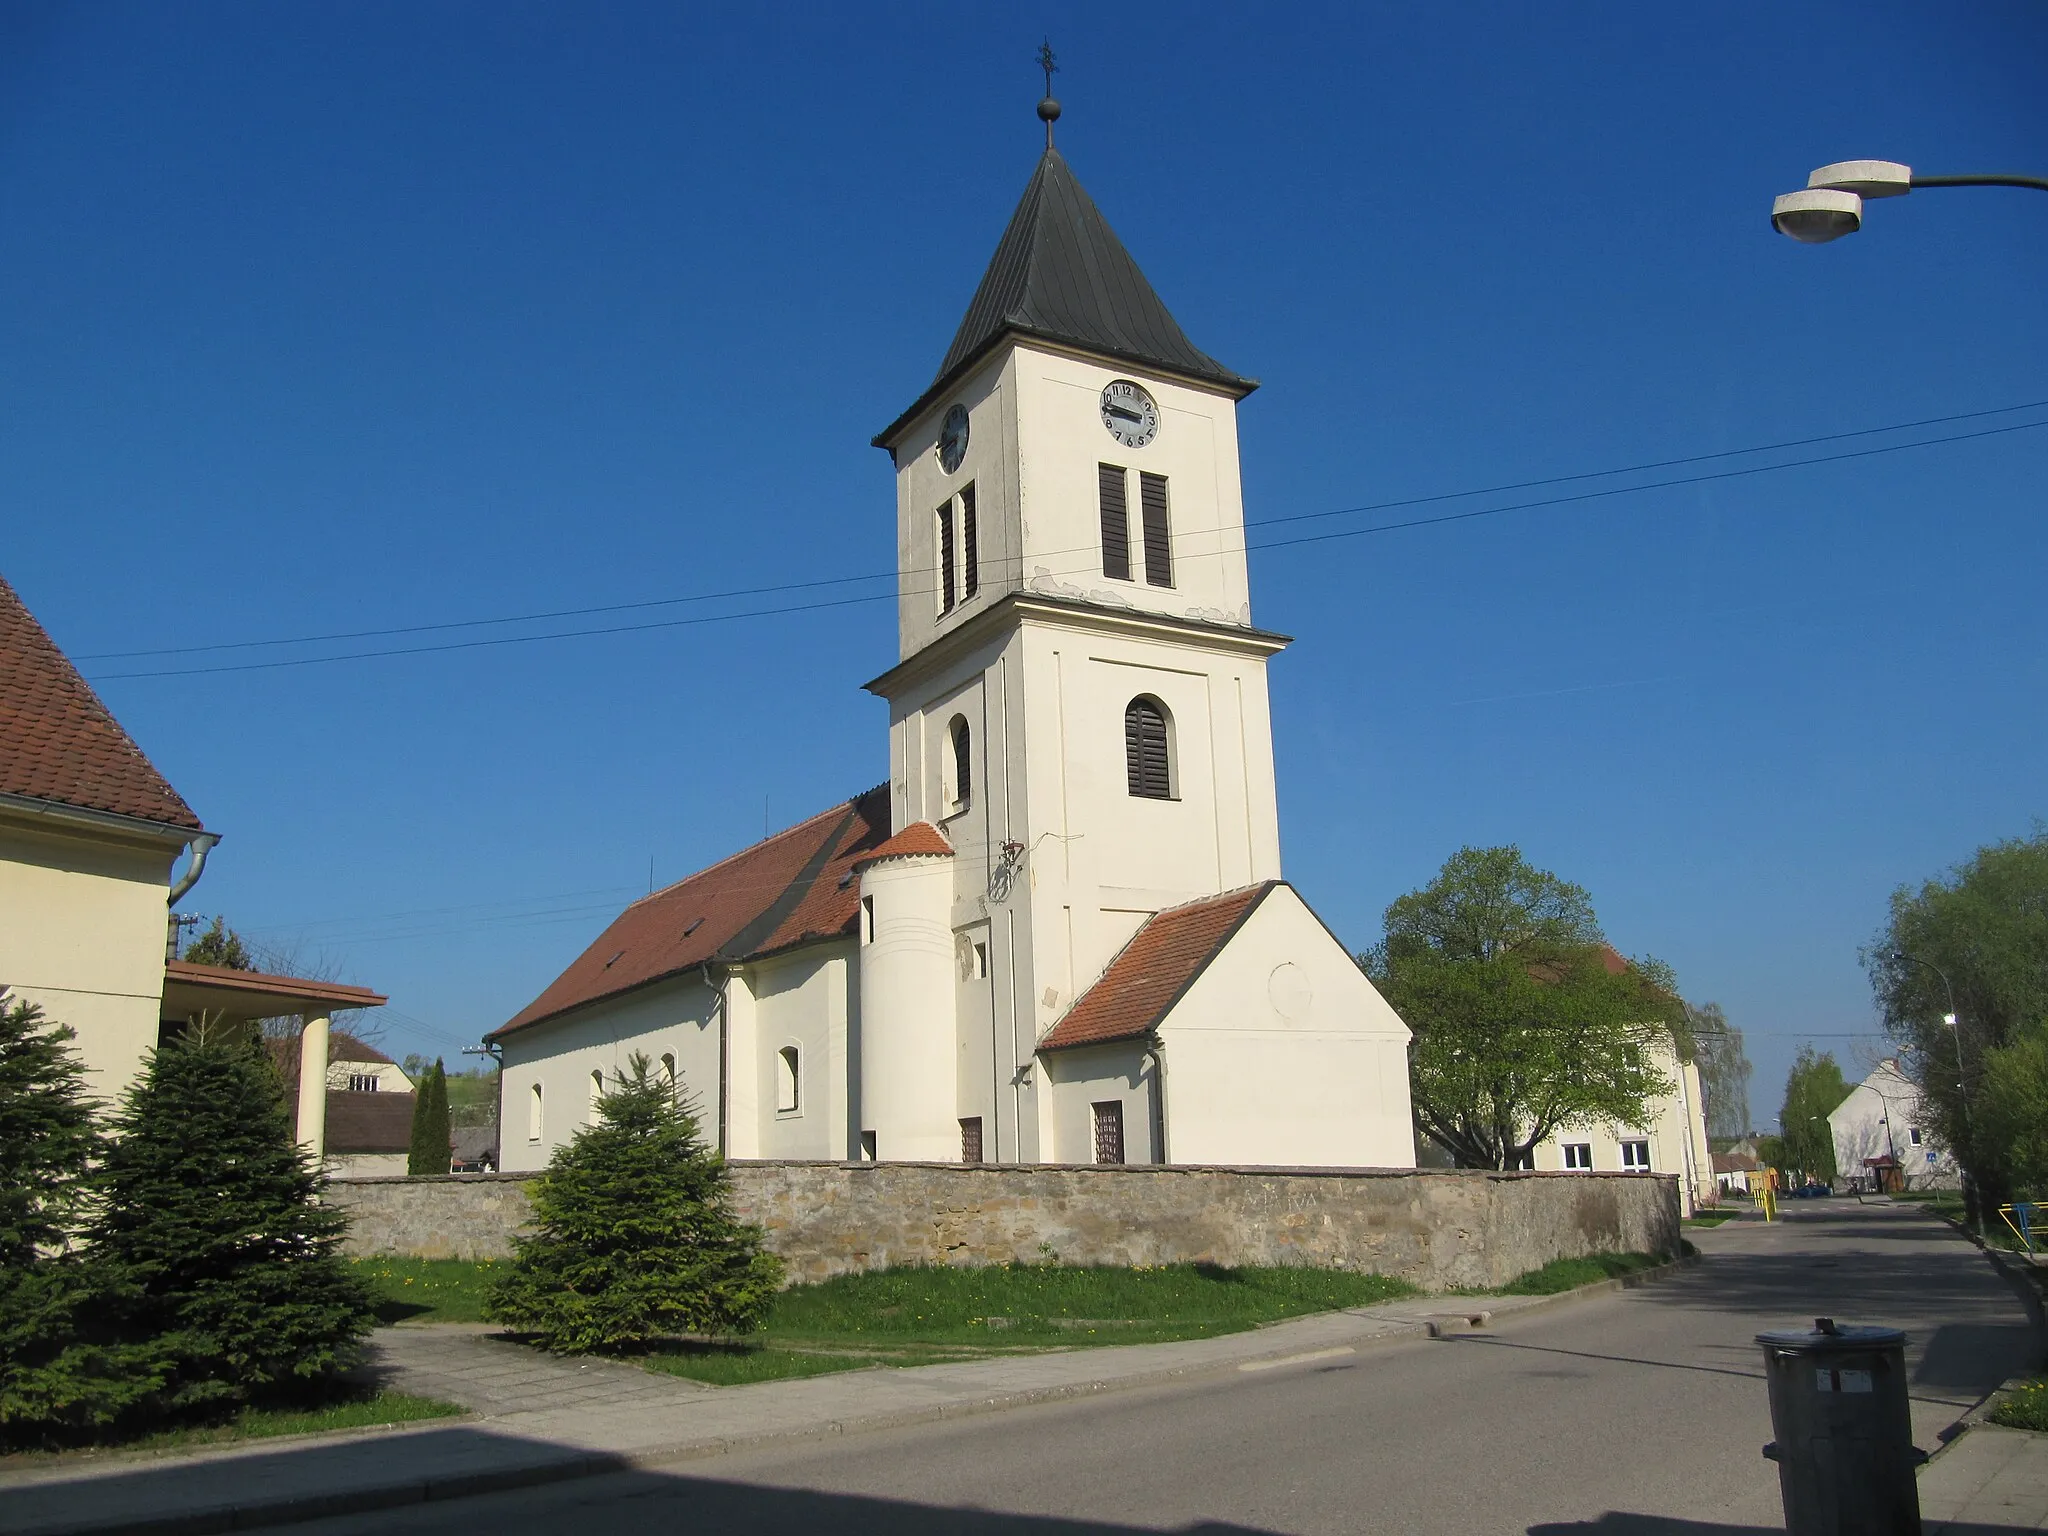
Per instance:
(201,845)
(1155,1052)
(724,1050)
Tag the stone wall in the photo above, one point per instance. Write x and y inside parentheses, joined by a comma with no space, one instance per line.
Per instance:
(1434,1227)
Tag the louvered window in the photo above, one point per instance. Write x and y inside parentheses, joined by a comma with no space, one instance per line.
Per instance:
(1109,1131)
(970,565)
(1116,523)
(946,587)
(961,790)
(970,1140)
(1148,749)
(1158,530)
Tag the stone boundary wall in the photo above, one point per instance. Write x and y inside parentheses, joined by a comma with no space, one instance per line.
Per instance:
(1437,1228)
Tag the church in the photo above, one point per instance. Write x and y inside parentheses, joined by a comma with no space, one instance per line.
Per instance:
(1059,933)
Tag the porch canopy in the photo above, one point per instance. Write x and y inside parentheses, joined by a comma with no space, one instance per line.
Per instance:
(216,992)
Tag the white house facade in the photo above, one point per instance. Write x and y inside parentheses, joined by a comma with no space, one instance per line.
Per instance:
(1671,1139)
(1882,1126)
(1059,932)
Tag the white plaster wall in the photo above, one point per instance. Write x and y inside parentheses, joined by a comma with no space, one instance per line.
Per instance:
(671,1017)
(800,1000)
(1282,1053)
(82,933)
(1860,1130)
(907,1037)
(1080,1079)
(390,1076)
(366,1165)
(1674,1118)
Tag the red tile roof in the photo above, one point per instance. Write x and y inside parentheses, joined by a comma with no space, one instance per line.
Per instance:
(362,1122)
(1150,974)
(793,888)
(59,743)
(919,839)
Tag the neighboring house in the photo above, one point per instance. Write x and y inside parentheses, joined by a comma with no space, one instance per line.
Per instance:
(1881,1136)
(368,1108)
(476,1149)
(1672,1139)
(1058,932)
(1736,1173)
(90,834)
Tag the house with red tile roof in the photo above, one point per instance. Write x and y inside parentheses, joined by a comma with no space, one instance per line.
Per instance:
(1058,931)
(91,840)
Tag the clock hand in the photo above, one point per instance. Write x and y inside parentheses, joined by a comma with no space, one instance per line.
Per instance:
(1125,412)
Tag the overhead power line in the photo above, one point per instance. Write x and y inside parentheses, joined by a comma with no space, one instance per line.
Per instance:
(908,583)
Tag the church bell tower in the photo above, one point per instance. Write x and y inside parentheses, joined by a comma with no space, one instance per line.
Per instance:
(1079,704)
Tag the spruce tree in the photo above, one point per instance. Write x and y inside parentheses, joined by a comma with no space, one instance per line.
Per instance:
(634,1238)
(210,1235)
(429,1151)
(51,1379)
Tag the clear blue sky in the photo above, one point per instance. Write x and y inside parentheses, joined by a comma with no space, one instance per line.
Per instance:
(319,319)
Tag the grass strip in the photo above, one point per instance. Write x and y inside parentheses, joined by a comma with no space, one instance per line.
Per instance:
(429,1290)
(1710,1218)
(2025,1407)
(1561,1275)
(355,1410)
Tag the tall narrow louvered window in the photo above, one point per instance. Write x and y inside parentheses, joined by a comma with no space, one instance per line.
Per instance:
(961,790)
(1158,530)
(946,588)
(970,548)
(1109,1131)
(1116,523)
(1148,749)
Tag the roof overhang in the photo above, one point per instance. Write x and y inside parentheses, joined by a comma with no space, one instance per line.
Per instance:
(1234,387)
(78,818)
(1072,613)
(217,991)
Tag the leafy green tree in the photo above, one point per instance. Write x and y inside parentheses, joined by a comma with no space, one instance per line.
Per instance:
(1524,1020)
(210,1237)
(429,1151)
(1981,930)
(1724,1071)
(634,1238)
(52,1378)
(1813,1089)
(220,945)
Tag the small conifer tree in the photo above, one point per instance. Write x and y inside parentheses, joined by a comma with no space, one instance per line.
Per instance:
(633,1238)
(51,1378)
(429,1151)
(210,1237)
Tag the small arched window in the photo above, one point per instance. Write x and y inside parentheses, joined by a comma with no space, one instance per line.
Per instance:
(596,1096)
(1148,748)
(788,1079)
(958,769)
(668,1070)
(533,1113)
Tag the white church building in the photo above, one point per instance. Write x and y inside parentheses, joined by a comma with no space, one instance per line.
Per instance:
(1059,933)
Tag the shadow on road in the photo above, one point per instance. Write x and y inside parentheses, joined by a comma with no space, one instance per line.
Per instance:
(1615,1524)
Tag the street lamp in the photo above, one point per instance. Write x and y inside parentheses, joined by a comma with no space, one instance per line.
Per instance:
(1962,1080)
(1832,204)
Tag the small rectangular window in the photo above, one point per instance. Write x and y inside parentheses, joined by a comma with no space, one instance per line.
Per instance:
(946,588)
(867,919)
(969,544)
(1109,1131)
(1116,523)
(980,961)
(1913,1134)
(867,1147)
(970,1140)
(1635,1156)
(1578,1154)
(1158,530)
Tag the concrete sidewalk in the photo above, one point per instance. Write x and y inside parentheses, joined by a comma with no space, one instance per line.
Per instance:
(1992,1479)
(540,1419)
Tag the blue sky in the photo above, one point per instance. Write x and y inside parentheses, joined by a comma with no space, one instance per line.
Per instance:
(317,320)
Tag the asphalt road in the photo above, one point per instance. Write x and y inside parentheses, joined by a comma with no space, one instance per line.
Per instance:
(1637,1412)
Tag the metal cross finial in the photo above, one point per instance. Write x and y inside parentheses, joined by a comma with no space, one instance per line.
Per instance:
(1048,109)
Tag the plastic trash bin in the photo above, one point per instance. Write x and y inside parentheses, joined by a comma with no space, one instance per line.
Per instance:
(1846,1462)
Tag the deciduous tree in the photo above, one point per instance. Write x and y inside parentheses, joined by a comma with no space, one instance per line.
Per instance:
(1814,1088)
(1724,1070)
(1523,1019)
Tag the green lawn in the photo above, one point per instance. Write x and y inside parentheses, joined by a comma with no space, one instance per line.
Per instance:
(428,1290)
(1569,1274)
(2025,1407)
(353,1410)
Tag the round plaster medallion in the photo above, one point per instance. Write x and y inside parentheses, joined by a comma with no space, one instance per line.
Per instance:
(1290,993)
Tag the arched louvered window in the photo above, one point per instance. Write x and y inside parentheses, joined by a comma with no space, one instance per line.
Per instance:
(959,766)
(1148,748)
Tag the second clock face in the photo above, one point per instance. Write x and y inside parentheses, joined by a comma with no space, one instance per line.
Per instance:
(1129,413)
(953,439)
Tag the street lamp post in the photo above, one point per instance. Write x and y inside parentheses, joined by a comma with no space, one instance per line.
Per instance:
(1832,204)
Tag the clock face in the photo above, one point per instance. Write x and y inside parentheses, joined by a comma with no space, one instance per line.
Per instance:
(1129,413)
(952,447)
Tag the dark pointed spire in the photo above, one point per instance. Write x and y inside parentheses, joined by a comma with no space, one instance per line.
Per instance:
(1060,274)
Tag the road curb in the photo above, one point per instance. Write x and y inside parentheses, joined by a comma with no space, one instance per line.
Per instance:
(571,1465)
